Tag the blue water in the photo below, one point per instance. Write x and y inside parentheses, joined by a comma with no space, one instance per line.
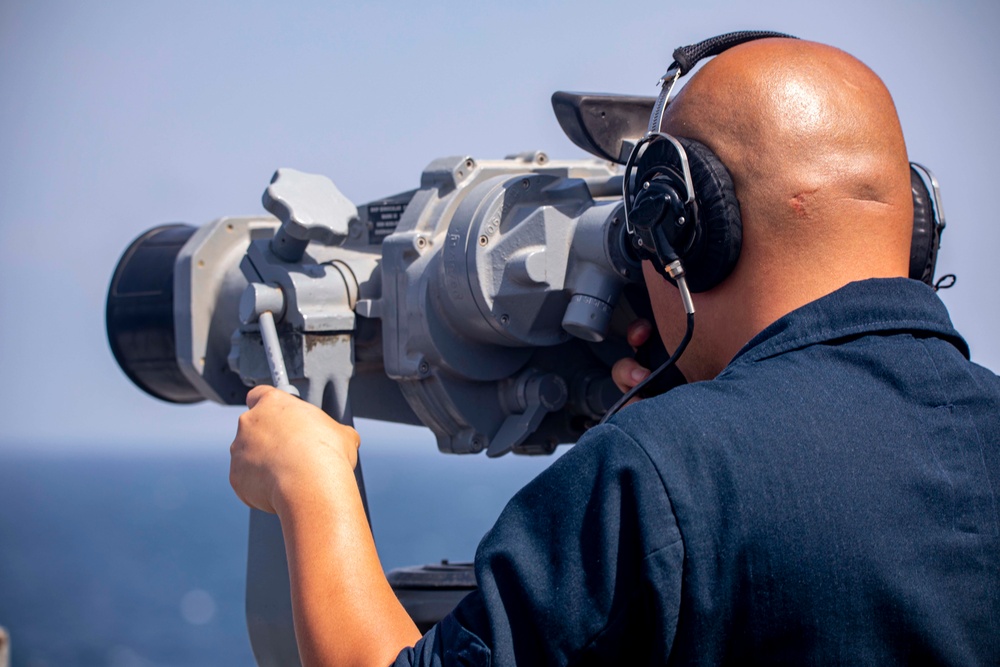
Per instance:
(129,561)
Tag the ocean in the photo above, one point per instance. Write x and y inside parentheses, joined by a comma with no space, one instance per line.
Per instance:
(139,560)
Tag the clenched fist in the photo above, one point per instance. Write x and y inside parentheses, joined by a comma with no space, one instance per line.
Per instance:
(284,448)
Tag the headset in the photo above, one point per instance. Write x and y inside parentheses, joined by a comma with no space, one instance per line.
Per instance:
(683,216)
(680,204)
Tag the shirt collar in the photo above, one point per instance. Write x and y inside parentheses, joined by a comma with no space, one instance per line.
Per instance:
(879,305)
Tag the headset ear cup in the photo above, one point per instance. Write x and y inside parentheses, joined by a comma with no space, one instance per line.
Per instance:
(717,247)
(924,244)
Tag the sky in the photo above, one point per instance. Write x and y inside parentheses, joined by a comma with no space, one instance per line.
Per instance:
(119,116)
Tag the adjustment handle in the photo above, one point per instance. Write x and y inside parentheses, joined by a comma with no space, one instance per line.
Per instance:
(539,394)
(259,304)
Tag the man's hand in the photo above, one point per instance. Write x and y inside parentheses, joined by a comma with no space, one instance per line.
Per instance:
(292,459)
(627,372)
(285,446)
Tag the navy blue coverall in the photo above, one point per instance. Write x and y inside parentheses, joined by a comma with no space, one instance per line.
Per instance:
(829,498)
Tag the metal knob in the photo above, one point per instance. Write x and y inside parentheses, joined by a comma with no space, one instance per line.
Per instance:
(310,208)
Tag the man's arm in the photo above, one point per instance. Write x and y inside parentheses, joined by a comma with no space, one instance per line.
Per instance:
(291,459)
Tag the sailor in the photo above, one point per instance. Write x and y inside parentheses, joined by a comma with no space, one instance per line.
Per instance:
(823,490)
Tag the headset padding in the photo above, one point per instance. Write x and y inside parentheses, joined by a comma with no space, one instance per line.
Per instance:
(923,246)
(718,248)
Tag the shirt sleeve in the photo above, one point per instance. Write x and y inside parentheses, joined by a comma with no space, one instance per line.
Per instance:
(584,561)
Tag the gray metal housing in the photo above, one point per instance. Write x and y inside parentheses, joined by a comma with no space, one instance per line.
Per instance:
(475,305)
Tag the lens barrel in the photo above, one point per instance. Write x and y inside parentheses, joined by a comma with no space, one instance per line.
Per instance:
(140,314)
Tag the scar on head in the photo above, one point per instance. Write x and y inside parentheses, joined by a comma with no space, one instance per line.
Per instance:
(801,204)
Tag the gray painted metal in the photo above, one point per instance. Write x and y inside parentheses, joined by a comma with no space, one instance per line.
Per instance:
(486,260)
(261,304)
(310,208)
(208,285)
(478,304)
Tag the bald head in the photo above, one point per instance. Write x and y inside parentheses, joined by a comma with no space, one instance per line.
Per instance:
(811,138)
